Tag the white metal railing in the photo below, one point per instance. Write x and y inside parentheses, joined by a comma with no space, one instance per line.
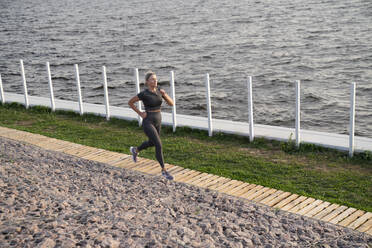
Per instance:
(174,115)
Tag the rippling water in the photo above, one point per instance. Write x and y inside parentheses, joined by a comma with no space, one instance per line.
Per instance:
(327,44)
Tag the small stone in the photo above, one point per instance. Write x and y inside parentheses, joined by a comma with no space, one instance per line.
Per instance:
(205,226)
(34,228)
(110,243)
(247,242)
(47,243)
(68,243)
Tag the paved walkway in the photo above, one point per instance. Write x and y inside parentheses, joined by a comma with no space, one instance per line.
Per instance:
(306,206)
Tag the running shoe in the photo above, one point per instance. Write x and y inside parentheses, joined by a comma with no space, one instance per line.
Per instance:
(167,175)
(134,152)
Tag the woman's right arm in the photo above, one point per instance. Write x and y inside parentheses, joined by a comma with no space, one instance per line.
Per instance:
(131,104)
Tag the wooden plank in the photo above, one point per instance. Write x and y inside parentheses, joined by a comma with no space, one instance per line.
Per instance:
(342,216)
(90,155)
(151,168)
(21,136)
(105,157)
(223,182)
(252,191)
(102,157)
(350,219)
(317,209)
(207,180)
(238,188)
(122,161)
(293,203)
(181,172)
(197,178)
(11,134)
(326,211)
(50,144)
(175,169)
(55,146)
(158,169)
(257,193)
(147,168)
(361,220)
(334,213)
(369,231)
(155,171)
(96,156)
(144,166)
(140,164)
(225,185)
(233,184)
(220,183)
(118,159)
(66,146)
(86,152)
(278,199)
(33,140)
(264,195)
(203,177)
(169,167)
(243,190)
(271,197)
(5,130)
(191,175)
(365,226)
(301,205)
(309,207)
(71,149)
(214,179)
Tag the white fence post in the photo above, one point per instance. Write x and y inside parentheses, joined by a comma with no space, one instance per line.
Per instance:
(78,89)
(2,91)
(106,93)
(138,89)
(209,108)
(298,113)
(52,103)
(250,110)
(24,84)
(352,119)
(174,101)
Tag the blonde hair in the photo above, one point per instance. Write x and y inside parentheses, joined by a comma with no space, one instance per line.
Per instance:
(148,75)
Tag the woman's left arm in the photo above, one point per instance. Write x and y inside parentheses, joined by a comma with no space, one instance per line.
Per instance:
(166,97)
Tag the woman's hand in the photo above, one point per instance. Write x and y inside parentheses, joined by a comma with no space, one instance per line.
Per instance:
(166,97)
(162,92)
(143,115)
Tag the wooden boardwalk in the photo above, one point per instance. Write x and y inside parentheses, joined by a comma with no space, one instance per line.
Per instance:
(306,206)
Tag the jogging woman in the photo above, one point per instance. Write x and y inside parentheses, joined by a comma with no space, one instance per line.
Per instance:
(152,97)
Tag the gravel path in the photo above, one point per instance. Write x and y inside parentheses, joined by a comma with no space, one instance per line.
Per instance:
(49,199)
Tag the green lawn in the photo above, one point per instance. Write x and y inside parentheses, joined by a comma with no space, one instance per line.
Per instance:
(311,171)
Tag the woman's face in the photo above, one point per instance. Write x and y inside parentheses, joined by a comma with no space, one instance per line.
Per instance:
(152,81)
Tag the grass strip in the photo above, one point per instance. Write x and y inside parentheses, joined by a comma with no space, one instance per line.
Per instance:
(311,170)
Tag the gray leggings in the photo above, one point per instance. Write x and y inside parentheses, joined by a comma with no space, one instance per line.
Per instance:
(152,126)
